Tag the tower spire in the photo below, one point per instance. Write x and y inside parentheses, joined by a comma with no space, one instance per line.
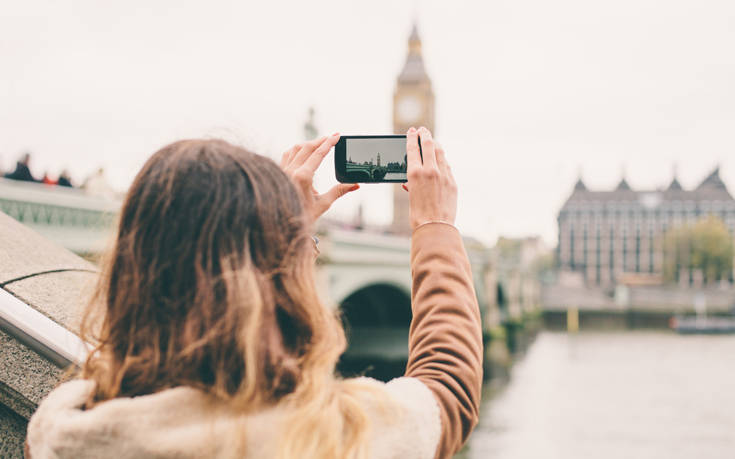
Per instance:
(413,105)
(414,41)
(413,70)
(310,129)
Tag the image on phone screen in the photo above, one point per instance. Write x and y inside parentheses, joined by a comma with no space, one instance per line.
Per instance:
(364,159)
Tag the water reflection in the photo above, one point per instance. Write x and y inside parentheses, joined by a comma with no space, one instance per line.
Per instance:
(614,395)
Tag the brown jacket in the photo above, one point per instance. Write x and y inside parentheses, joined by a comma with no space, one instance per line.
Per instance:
(445,341)
(439,395)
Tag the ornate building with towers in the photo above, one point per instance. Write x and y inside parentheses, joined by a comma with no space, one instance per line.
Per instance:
(413,105)
(605,236)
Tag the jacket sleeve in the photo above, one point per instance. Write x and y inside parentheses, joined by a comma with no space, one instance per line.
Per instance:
(445,340)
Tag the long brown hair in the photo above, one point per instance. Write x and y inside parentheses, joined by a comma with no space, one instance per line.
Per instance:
(210,284)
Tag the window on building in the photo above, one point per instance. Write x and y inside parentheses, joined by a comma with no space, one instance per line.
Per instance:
(558,262)
(571,248)
(584,250)
(611,261)
(650,250)
(597,255)
(638,250)
(625,250)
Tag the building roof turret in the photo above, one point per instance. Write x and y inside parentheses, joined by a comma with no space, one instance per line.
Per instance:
(713,181)
(674,185)
(580,186)
(623,185)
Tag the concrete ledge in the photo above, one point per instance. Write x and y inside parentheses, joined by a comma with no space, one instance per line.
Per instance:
(23,373)
(55,283)
(60,296)
(13,428)
(24,252)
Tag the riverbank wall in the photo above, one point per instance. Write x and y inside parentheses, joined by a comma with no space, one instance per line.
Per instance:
(631,307)
(506,343)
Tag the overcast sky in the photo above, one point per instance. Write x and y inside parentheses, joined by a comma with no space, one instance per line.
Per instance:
(528,92)
(390,150)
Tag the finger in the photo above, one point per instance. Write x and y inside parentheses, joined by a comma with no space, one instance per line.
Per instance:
(447,170)
(336,192)
(413,157)
(450,175)
(306,150)
(441,159)
(288,155)
(315,159)
(427,147)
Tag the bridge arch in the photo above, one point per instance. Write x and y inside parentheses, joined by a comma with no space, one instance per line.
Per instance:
(347,280)
(378,304)
(376,318)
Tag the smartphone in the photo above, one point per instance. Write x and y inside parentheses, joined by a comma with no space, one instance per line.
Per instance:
(370,158)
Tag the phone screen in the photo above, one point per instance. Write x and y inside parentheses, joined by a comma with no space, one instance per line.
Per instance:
(372,159)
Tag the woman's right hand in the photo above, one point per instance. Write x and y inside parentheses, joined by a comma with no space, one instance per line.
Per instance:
(431,186)
(300,164)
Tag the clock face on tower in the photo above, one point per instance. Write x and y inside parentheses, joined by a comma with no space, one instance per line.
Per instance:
(409,109)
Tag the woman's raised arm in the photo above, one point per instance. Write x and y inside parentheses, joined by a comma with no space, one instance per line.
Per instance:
(445,340)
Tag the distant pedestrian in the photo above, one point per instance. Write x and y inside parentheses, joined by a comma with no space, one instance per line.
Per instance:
(64,179)
(96,185)
(22,171)
(46,180)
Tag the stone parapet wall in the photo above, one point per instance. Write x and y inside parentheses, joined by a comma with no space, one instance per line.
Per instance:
(54,282)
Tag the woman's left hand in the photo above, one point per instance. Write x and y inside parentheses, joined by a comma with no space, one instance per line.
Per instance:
(300,163)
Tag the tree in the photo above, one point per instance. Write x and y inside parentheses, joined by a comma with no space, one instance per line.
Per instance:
(706,246)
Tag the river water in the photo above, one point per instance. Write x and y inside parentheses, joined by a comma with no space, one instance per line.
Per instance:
(613,395)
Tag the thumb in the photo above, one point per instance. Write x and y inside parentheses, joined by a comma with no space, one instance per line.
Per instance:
(337,191)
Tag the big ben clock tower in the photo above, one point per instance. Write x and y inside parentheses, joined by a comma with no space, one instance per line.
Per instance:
(413,105)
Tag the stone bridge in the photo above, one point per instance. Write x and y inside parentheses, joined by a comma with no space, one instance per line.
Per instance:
(67,216)
(368,276)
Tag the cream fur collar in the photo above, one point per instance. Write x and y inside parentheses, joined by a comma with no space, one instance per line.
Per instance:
(186,423)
